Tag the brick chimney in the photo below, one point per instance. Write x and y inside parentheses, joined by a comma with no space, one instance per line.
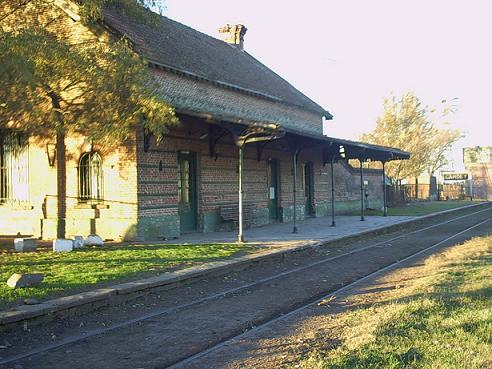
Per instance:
(233,34)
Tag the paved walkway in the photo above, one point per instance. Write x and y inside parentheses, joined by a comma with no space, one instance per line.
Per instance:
(312,229)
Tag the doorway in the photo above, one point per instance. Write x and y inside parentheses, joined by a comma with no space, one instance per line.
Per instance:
(308,189)
(272,178)
(187,197)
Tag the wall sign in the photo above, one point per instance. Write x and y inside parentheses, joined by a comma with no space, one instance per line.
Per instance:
(455,176)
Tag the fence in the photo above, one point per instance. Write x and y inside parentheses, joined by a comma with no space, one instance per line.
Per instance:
(458,191)
(421,192)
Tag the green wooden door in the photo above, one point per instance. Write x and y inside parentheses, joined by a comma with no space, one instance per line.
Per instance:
(308,189)
(187,199)
(273,189)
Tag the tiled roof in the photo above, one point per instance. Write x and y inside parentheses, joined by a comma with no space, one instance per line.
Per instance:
(184,49)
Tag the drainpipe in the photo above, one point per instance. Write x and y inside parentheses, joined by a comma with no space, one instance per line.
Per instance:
(361,192)
(294,173)
(332,195)
(240,236)
(385,207)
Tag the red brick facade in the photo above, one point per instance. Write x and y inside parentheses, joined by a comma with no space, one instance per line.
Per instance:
(140,184)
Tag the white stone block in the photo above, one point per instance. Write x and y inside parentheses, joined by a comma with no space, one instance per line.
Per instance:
(18,280)
(78,242)
(62,245)
(25,244)
(93,240)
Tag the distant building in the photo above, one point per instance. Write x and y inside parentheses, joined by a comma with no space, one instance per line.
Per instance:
(478,161)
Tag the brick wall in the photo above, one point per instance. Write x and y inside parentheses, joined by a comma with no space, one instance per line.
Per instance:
(217,182)
(140,187)
(113,218)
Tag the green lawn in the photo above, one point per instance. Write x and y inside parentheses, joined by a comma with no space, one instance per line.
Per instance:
(66,273)
(421,208)
(444,323)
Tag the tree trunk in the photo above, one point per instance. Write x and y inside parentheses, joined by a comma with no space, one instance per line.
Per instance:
(61,168)
(61,181)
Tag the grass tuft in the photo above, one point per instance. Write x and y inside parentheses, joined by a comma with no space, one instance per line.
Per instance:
(443,322)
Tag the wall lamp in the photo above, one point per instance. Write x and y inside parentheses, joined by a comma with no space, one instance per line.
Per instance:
(51,152)
(341,151)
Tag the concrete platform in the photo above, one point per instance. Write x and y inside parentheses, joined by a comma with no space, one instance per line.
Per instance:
(311,229)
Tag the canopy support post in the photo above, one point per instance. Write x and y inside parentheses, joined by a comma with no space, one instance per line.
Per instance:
(361,192)
(294,174)
(333,224)
(385,207)
(240,236)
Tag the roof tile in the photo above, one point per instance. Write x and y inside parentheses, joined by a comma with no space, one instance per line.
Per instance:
(183,48)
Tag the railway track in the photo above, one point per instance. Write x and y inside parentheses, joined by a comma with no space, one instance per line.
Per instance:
(176,336)
(182,364)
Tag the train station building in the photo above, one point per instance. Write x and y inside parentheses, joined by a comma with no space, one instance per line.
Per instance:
(243,129)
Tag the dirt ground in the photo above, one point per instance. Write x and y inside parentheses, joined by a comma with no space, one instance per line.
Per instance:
(323,327)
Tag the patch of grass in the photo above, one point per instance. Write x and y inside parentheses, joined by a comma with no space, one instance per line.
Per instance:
(82,269)
(445,322)
(421,208)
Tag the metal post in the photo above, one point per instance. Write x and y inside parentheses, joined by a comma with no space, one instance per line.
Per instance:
(333,224)
(240,237)
(470,180)
(294,174)
(385,207)
(361,193)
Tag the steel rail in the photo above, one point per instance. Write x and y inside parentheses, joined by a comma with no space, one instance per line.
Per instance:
(232,340)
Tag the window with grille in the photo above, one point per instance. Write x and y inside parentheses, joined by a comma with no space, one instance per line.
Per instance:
(90,177)
(14,167)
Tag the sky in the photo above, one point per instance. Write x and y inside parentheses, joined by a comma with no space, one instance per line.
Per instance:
(347,55)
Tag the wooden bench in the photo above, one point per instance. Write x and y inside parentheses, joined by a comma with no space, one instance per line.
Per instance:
(231,213)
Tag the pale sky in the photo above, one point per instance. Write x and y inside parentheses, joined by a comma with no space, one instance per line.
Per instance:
(347,55)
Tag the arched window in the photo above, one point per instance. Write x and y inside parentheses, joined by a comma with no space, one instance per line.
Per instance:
(14,167)
(90,177)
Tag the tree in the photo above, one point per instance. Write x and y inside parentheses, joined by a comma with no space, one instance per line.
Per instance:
(442,139)
(53,86)
(406,124)
(91,11)
(441,142)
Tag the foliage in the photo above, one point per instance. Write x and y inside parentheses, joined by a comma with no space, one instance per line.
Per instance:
(91,10)
(406,124)
(86,268)
(61,77)
(477,155)
(100,89)
(442,139)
